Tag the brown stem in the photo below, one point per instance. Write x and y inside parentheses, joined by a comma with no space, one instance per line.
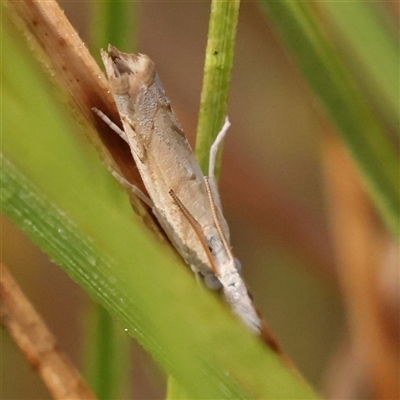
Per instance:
(37,343)
(368,277)
(81,82)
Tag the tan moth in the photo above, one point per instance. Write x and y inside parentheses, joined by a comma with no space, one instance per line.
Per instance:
(185,202)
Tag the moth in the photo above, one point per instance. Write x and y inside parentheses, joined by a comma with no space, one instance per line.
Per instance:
(185,202)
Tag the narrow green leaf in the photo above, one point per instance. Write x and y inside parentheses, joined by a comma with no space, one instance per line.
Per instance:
(217,75)
(106,355)
(116,23)
(175,390)
(372,50)
(360,129)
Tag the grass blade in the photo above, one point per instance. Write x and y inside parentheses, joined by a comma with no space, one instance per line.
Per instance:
(371,49)
(359,127)
(217,74)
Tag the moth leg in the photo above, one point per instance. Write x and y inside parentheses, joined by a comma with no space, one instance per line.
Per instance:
(212,282)
(212,160)
(197,274)
(209,278)
(214,148)
(131,187)
(111,124)
(114,173)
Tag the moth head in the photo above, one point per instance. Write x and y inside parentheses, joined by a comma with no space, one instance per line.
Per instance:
(127,72)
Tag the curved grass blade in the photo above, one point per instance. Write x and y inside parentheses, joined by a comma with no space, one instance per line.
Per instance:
(359,127)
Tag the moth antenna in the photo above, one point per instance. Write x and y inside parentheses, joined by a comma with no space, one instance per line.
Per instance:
(197,229)
(216,220)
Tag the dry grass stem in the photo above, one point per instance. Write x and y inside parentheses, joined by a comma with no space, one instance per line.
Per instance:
(362,246)
(58,47)
(37,343)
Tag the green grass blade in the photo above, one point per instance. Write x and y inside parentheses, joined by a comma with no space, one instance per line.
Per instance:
(161,306)
(114,22)
(175,390)
(106,355)
(359,127)
(217,74)
(372,49)
(54,187)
